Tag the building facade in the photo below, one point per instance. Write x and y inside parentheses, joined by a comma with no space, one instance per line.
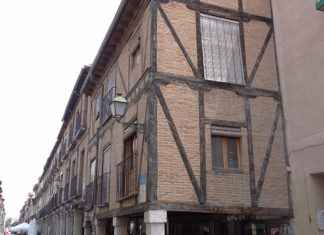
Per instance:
(200,149)
(301,68)
(2,211)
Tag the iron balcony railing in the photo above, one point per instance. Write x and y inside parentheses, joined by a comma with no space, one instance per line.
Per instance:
(103,189)
(127,178)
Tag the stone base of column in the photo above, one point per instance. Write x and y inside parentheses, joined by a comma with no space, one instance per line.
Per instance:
(87,228)
(77,222)
(100,227)
(155,222)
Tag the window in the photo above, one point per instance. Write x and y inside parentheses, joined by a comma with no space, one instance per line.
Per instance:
(74,168)
(136,56)
(109,96)
(226,148)
(98,106)
(129,150)
(67,180)
(221,47)
(106,160)
(77,123)
(93,170)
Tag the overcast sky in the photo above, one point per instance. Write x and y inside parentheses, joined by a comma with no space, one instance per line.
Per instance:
(43,46)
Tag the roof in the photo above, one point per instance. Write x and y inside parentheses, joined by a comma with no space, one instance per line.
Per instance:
(76,92)
(113,37)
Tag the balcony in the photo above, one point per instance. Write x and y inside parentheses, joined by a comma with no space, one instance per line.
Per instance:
(127,179)
(103,189)
(89,196)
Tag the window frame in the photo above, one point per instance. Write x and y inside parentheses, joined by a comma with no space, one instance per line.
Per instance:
(225,134)
(239,79)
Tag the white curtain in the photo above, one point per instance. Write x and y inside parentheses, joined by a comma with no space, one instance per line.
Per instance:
(221,50)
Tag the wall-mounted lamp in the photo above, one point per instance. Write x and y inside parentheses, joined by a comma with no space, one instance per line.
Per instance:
(320,5)
(118,109)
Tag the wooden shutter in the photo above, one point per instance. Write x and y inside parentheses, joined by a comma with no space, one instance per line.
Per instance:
(217,152)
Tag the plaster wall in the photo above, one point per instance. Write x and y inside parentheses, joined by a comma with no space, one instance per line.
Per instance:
(300,43)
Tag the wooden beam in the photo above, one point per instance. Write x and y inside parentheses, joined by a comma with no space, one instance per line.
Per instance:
(260,55)
(242,38)
(178,41)
(202,146)
(178,141)
(152,152)
(213,9)
(192,83)
(225,123)
(268,152)
(201,107)
(250,151)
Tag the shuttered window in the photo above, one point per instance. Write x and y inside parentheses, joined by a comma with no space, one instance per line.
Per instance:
(222,53)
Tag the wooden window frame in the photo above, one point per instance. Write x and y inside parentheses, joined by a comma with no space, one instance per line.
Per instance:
(225,134)
(236,59)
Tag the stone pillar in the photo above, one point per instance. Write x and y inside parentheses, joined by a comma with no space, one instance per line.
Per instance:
(87,228)
(100,227)
(77,222)
(155,222)
(120,225)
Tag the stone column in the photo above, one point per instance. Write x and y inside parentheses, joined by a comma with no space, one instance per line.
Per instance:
(100,227)
(155,222)
(77,222)
(87,228)
(120,225)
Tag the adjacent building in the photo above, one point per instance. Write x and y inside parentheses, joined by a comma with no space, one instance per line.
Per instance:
(176,128)
(2,211)
(300,43)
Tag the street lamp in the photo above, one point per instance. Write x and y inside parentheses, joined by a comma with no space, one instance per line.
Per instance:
(118,109)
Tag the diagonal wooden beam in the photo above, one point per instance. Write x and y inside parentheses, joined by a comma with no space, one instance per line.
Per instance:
(178,142)
(178,41)
(261,55)
(267,157)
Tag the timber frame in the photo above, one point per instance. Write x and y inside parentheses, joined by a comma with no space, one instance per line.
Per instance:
(149,87)
(150,84)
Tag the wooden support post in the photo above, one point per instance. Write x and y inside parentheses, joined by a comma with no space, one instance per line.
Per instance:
(152,152)
(201,106)
(250,151)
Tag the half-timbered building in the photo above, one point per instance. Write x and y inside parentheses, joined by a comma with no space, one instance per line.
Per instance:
(200,147)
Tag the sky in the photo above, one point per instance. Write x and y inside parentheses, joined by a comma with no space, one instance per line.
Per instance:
(43,46)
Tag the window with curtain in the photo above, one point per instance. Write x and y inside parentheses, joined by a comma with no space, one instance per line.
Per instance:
(221,47)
